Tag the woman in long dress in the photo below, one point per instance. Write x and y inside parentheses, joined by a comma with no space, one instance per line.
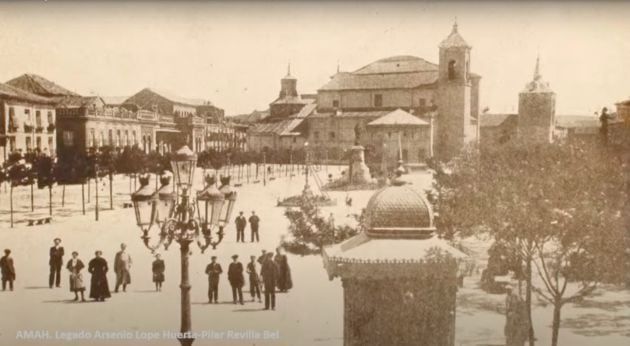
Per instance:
(99,288)
(75,265)
(284,281)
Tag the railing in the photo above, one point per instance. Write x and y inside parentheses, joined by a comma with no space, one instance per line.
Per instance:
(51,128)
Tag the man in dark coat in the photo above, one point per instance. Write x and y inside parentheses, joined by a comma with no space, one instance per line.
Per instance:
(55,262)
(262,257)
(213,270)
(284,281)
(254,221)
(158,268)
(254,281)
(235,276)
(241,222)
(269,273)
(7,270)
(99,288)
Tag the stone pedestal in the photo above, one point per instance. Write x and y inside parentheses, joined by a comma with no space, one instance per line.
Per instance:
(358,173)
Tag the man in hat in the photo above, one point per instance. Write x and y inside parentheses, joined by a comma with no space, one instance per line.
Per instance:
(241,222)
(213,270)
(254,220)
(122,266)
(235,276)
(269,273)
(55,262)
(254,281)
(516,321)
(262,257)
(7,270)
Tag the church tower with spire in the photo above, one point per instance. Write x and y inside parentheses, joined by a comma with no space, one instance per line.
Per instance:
(289,101)
(457,97)
(537,110)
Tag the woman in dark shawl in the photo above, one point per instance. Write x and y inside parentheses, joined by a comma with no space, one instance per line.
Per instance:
(99,288)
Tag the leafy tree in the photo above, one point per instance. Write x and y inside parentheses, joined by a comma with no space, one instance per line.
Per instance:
(310,231)
(561,206)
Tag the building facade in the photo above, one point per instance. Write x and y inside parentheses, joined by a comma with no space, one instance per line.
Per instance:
(444,95)
(27,122)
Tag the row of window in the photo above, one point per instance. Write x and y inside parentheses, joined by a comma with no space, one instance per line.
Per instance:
(28,143)
(377,101)
(332,135)
(29,120)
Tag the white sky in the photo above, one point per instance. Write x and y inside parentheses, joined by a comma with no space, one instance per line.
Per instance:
(234,54)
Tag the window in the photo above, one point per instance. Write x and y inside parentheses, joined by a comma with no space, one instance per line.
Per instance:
(51,146)
(110,138)
(12,123)
(331,135)
(92,141)
(38,119)
(68,138)
(27,112)
(101,140)
(378,100)
(389,135)
(126,137)
(422,102)
(294,139)
(405,155)
(422,154)
(451,69)
(135,140)
(117,138)
(316,134)
(404,133)
(28,142)
(335,103)
(38,142)
(51,120)
(12,144)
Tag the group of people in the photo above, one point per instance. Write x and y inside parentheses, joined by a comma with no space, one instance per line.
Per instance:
(274,273)
(241,223)
(97,267)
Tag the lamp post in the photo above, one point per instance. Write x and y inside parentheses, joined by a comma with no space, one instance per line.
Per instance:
(176,220)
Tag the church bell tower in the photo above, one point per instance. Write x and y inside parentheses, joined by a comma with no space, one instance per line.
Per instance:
(454,128)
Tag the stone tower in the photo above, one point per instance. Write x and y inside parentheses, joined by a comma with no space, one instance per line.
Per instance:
(536,110)
(456,99)
(288,85)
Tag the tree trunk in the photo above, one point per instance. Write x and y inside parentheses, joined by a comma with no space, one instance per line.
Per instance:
(32,198)
(63,195)
(11,203)
(96,198)
(528,299)
(88,186)
(83,198)
(555,326)
(50,200)
(111,191)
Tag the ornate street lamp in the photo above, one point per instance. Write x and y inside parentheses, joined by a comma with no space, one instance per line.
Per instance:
(177,221)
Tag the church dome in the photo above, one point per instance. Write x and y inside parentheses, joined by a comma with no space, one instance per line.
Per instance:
(399,212)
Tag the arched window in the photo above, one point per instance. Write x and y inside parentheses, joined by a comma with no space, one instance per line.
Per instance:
(451,69)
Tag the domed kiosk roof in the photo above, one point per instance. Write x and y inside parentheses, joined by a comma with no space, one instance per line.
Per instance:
(399,212)
(397,239)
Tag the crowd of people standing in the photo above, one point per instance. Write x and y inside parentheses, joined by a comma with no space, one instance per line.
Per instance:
(266,274)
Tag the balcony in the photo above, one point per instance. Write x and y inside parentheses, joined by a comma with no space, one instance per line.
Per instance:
(13,128)
(28,128)
(51,128)
(39,129)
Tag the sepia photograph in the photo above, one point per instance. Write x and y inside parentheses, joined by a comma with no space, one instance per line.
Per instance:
(315,173)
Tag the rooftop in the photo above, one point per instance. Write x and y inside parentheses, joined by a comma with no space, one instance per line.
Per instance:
(8,91)
(454,40)
(39,85)
(398,117)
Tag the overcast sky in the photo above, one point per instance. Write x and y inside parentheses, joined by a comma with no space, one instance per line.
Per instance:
(234,54)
